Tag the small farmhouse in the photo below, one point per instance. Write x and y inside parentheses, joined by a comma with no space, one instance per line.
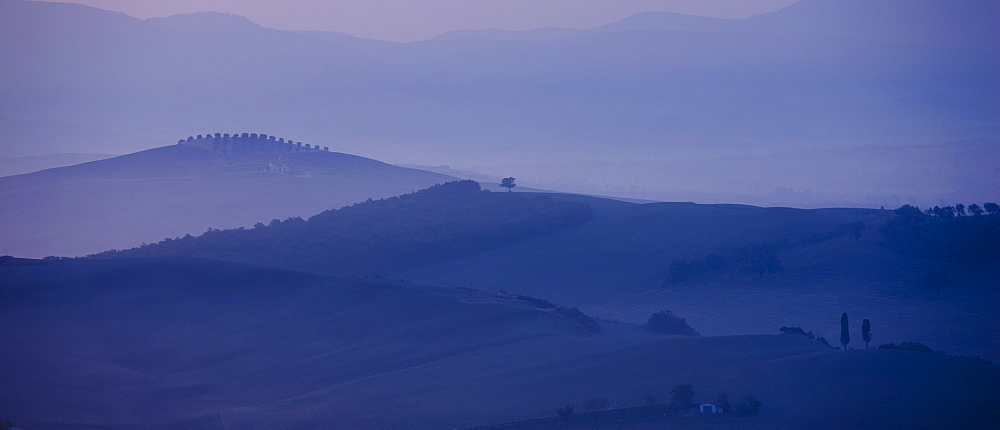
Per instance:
(709,408)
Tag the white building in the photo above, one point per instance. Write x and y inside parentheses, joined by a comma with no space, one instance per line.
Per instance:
(710,408)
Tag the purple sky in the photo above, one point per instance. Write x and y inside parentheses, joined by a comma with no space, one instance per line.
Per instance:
(407,20)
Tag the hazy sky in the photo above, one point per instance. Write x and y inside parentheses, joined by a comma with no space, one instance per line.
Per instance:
(407,20)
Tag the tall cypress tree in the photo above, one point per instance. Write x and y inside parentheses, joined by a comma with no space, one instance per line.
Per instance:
(866,332)
(845,335)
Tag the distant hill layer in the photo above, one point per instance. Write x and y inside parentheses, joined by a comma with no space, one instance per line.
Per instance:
(175,190)
(456,229)
(10,166)
(203,344)
(615,260)
(818,74)
(438,224)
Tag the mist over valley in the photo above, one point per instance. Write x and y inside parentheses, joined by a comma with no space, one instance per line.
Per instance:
(786,218)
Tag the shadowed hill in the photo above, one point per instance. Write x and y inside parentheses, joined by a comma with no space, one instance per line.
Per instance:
(613,259)
(176,190)
(617,266)
(628,248)
(202,344)
(177,341)
(440,223)
(863,278)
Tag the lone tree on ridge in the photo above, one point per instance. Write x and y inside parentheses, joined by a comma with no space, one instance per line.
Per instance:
(845,333)
(866,332)
(508,183)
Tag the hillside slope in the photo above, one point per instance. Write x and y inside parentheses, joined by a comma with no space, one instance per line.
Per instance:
(201,344)
(178,341)
(441,223)
(821,281)
(617,265)
(627,248)
(10,166)
(176,190)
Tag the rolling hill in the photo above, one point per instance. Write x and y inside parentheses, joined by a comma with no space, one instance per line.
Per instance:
(10,166)
(613,259)
(616,265)
(192,343)
(441,223)
(176,190)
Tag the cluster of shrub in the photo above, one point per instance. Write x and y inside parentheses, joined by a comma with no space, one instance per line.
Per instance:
(383,236)
(800,332)
(579,318)
(903,346)
(950,233)
(665,322)
(907,346)
(760,259)
(534,301)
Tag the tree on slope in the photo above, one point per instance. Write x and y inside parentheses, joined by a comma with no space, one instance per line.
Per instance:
(845,335)
(508,183)
(866,332)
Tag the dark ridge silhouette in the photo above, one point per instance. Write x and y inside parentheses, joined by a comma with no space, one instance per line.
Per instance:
(945,233)
(441,223)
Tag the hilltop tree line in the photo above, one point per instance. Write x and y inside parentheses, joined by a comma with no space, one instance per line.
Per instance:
(218,138)
(382,236)
(950,233)
(575,315)
(866,335)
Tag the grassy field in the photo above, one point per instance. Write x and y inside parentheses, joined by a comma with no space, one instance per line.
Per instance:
(201,344)
(627,248)
(824,280)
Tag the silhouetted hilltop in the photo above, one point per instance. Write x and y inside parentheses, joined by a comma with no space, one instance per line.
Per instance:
(182,189)
(441,223)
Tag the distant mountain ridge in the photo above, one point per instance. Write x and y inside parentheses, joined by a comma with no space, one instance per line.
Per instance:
(654,86)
